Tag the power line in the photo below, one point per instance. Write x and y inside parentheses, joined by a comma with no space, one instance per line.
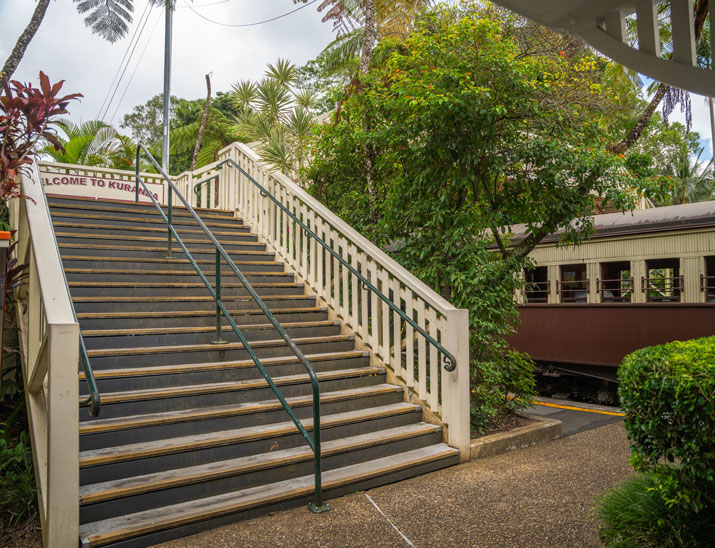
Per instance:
(116,88)
(250,24)
(129,83)
(207,5)
(126,51)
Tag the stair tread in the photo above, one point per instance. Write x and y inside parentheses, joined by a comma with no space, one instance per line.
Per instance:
(179,285)
(170,260)
(201,329)
(147,248)
(181,298)
(84,235)
(209,346)
(132,525)
(154,220)
(100,271)
(214,470)
(231,386)
(90,226)
(181,313)
(209,366)
(151,210)
(97,202)
(94,457)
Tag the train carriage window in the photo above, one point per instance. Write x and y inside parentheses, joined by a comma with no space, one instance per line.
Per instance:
(663,283)
(707,283)
(616,283)
(536,285)
(573,286)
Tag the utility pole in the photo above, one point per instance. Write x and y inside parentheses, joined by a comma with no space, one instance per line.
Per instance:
(167,84)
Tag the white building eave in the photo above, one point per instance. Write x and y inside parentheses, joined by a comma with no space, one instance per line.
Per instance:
(602,25)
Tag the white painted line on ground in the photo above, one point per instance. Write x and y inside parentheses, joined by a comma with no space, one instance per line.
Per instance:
(409,543)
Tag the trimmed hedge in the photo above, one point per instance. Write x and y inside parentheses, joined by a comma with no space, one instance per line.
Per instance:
(668,395)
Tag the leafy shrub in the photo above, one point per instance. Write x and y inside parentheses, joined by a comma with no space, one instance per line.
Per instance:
(18,496)
(668,395)
(635,516)
(492,383)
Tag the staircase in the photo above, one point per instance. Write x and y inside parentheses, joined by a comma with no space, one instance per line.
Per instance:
(190,436)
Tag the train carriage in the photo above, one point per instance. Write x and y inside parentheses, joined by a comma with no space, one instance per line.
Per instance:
(642,278)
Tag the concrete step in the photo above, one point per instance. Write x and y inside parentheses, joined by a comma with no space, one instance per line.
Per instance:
(181,398)
(203,302)
(180,263)
(188,318)
(141,207)
(230,286)
(114,380)
(239,233)
(127,446)
(180,336)
(247,243)
(139,493)
(78,207)
(133,220)
(112,358)
(139,251)
(153,426)
(152,526)
(170,276)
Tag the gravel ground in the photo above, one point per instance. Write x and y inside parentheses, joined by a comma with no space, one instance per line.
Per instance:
(537,497)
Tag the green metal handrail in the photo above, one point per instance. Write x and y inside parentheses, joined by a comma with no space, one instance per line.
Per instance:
(318,505)
(450,362)
(93,400)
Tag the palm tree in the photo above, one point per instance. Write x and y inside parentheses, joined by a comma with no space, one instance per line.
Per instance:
(359,24)
(277,116)
(692,180)
(218,134)
(84,144)
(109,19)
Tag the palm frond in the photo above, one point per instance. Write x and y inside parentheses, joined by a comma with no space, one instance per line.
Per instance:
(283,71)
(108,18)
(243,94)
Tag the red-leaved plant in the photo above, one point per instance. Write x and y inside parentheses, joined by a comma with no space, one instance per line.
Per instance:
(27,114)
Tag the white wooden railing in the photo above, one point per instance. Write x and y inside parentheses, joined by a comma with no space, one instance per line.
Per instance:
(406,353)
(50,352)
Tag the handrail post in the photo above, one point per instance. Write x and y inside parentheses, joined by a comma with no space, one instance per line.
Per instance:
(317,506)
(218,339)
(168,232)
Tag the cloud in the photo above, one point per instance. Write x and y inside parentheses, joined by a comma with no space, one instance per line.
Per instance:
(65,49)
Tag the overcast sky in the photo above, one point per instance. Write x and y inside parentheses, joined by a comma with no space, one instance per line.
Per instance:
(65,49)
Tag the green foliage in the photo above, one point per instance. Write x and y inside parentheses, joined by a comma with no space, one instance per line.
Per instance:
(668,395)
(672,155)
(145,124)
(276,115)
(18,497)
(635,516)
(467,134)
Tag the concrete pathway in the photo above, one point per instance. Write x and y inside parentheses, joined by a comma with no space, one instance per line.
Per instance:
(537,497)
(575,417)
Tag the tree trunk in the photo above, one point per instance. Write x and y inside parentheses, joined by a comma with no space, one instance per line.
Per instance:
(700,11)
(369,38)
(368,149)
(635,133)
(19,50)
(204,119)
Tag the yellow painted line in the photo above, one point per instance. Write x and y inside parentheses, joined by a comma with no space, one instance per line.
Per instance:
(559,406)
